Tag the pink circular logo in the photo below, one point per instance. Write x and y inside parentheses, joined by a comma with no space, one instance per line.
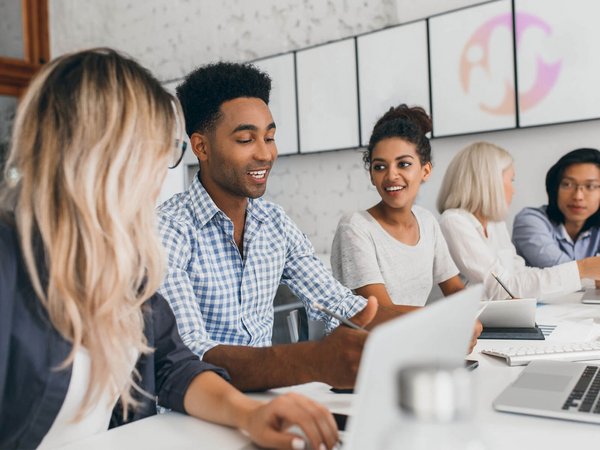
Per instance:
(477,54)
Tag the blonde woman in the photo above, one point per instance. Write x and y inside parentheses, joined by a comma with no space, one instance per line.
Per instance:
(84,339)
(474,198)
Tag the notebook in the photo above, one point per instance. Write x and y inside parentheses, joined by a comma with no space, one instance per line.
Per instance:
(439,333)
(558,389)
(515,313)
(510,319)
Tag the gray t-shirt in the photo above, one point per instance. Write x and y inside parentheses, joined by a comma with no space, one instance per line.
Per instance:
(364,253)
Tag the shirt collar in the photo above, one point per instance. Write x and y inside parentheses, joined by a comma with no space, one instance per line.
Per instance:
(257,209)
(205,208)
(471,217)
(562,232)
(202,204)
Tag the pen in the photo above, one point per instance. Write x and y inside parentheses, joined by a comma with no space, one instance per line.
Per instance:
(337,316)
(502,284)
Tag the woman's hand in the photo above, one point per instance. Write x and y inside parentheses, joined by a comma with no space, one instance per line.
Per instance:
(268,424)
(210,397)
(477,329)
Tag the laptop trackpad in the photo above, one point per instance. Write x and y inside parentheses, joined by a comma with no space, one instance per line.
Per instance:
(543,381)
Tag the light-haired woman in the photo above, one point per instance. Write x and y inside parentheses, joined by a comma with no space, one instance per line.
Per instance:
(84,339)
(474,198)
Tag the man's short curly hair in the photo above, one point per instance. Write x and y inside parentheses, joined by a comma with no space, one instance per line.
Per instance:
(205,89)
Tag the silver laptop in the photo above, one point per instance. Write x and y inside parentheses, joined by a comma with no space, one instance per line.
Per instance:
(591,296)
(439,333)
(559,389)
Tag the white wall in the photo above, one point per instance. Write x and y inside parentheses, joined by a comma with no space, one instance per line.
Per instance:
(172,37)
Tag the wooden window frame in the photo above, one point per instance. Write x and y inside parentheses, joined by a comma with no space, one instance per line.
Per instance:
(15,74)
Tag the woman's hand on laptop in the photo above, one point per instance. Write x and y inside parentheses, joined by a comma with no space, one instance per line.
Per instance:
(291,421)
(476,332)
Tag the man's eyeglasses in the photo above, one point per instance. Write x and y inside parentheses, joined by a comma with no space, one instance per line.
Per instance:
(571,186)
(177,156)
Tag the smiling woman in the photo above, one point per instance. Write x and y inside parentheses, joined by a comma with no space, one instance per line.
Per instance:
(395,250)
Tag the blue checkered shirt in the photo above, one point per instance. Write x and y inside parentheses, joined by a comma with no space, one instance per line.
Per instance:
(217,296)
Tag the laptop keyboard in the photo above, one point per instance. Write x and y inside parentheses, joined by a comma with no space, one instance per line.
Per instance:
(586,392)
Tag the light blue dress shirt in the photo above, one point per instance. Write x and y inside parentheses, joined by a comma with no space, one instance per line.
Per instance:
(217,296)
(543,244)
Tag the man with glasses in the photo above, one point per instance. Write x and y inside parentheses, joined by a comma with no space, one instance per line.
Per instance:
(229,249)
(568,228)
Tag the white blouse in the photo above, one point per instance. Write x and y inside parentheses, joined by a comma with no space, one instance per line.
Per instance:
(363,253)
(96,420)
(477,256)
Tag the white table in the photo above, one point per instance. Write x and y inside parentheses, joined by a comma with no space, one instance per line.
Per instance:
(504,430)
(497,430)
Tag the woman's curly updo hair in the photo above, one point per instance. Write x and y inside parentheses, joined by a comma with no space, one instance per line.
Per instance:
(408,123)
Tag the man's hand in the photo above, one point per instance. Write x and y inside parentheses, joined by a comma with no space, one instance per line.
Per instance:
(476,332)
(339,353)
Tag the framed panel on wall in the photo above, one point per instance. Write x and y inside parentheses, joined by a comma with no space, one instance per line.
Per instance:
(282,102)
(558,60)
(24,46)
(327,97)
(472,70)
(392,69)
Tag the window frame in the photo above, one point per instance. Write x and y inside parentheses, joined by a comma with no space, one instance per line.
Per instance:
(15,74)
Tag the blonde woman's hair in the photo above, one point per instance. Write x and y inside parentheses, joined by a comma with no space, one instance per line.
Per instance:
(91,144)
(473,181)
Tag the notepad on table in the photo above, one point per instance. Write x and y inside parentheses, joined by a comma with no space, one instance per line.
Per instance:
(510,319)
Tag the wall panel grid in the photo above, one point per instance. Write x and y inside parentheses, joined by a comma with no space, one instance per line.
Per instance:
(498,65)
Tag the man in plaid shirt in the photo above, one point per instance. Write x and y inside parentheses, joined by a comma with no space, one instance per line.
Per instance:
(229,249)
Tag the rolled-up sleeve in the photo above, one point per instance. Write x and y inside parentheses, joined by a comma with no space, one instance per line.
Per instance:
(310,280)
(175,365)
(178,290)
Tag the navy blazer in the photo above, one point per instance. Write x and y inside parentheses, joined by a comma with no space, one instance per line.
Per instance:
(32,390)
